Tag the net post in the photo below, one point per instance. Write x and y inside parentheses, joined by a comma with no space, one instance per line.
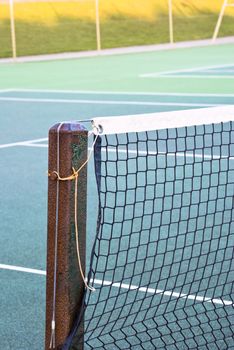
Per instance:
(64,285)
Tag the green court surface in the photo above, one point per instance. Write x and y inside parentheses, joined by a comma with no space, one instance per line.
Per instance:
(33,97)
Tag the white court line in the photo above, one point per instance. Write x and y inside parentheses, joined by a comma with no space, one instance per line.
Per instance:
(129,287)
(163,292)
(133,93)
(137,152)
(148,153)
(219,71)
(197,76)
(6,90)
(22,269)
(36,140)
(22,143)
(186,70)
(34,145)
(170,154)
(102,102)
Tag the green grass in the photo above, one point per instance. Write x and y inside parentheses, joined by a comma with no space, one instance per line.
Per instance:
(5,39)
(75,35)
(201,27)
(68,35)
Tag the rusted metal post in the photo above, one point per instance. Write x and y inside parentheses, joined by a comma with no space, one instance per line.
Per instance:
(65,288)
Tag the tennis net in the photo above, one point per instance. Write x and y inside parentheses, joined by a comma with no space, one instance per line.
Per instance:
(162,259)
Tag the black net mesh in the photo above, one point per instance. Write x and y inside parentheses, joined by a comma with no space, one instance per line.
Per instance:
(162,258)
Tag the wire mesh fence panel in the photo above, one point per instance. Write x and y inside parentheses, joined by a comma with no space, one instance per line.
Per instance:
(133,22)
(200,18)
(54,26)
(5,30)
(45,27)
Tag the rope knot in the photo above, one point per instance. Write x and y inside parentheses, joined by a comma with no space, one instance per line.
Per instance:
(55,175)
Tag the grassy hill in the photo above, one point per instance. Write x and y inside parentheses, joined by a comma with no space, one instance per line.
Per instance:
(65,26)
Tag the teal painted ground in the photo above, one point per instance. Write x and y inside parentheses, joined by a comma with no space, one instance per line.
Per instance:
(26,115)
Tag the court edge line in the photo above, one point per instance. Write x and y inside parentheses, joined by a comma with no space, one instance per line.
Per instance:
(150,153)
(33,143)
(123,50)
(188,154)
(162,292)
(127,286)
(6,90)
(220,71)
(187,70)
(133,93)
(23,143)
(109,102)
(187,76)
(22,269)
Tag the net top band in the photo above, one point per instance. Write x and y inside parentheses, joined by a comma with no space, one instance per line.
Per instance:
(164,120)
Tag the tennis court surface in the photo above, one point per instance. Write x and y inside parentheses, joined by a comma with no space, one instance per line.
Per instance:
(162,262)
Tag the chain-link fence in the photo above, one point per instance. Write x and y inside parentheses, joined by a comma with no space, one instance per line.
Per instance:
(31,27)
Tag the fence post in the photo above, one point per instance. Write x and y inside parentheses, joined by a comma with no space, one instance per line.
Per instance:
(98,34)
(216,31)
(12,20)
(170,14)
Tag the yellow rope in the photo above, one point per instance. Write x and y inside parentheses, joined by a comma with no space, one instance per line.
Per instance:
(71,177)
(74,176)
